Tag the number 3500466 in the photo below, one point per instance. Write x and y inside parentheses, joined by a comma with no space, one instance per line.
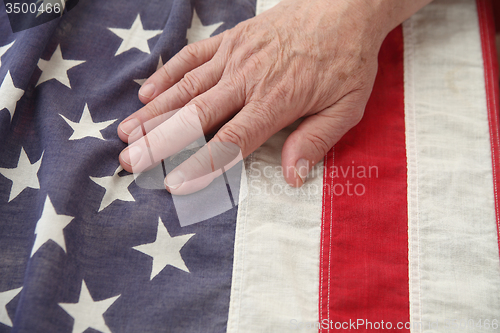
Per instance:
(32,8)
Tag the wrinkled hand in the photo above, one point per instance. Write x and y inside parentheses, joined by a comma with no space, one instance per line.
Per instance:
(312,59)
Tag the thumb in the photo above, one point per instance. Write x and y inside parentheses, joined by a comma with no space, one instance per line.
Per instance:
(316,135)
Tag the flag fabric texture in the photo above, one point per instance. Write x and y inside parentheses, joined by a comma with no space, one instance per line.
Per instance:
(397,230)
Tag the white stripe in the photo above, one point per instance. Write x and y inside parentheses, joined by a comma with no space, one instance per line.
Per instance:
(276,261)
(412,176)
(454,260)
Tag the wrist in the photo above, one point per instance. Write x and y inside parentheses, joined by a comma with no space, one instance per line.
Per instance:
(391,13)
(377,17)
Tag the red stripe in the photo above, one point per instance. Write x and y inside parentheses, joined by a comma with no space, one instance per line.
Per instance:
(364,246)
(487,29)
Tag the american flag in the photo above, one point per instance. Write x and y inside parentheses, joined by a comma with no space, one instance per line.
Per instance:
(82,247)
(396,230)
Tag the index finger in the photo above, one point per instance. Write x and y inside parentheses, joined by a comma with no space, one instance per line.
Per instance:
(190,57)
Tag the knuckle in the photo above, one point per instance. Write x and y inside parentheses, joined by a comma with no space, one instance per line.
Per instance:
(154,108)
(265,114)
(356,117)
(235,86)
(205,114)
(288,90)
(351,116)
(187,123)
(155,139)
(164,72)
(190,85)
(354,108)
(321,146)
(190,53)
(227,149)
(229,133)
(253,62)
(202,162)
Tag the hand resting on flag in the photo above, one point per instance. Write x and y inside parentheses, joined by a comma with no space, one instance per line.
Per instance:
(315,60)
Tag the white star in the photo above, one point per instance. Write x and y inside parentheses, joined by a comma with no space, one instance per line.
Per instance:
(86,127)
(160,65)
(4,49)
(50,227)
(116,188)
(57,68)
(9,95)
(165,250)
(23,175)
(136,37)
(198,31)
(5,298)
(88,313)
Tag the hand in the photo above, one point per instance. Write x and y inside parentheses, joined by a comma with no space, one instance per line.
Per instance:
(311,59)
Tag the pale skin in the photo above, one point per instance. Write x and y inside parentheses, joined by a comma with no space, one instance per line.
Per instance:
(310,59)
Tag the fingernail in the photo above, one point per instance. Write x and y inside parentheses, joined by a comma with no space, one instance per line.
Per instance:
(131,155)
(129,125)
(174,180)
(147,90)
(302,169)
